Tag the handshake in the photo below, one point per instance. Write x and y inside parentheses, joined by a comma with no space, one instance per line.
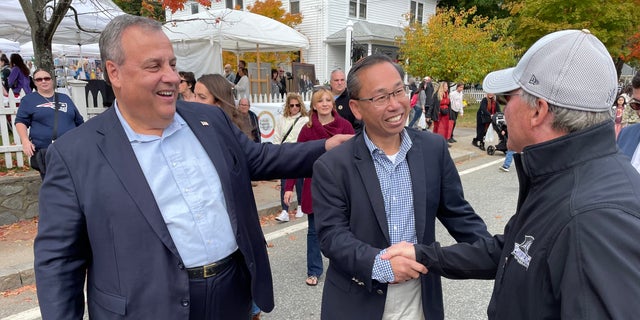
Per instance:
(402,257)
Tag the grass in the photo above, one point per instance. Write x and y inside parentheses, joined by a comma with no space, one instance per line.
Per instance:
(469,118)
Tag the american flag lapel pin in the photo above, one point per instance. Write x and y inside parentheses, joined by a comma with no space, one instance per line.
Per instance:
(204,123)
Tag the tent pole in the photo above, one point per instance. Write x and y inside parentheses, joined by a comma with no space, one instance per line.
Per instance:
(258,62)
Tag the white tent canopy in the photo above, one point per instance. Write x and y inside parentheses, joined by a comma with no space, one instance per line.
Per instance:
(7,46)
(92,15)
(88,50)
(199,39)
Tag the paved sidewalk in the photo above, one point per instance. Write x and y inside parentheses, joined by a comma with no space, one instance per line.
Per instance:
(16,250)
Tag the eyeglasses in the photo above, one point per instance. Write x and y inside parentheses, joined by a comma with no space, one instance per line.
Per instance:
(504,98)
(42,79)
(383,99)
(294,105)
(634,104)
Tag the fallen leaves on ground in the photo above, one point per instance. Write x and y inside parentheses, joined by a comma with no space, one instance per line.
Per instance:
(19,231)
(18,291)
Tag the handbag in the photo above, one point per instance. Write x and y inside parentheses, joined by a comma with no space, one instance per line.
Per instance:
(444,112)
(490,137)
(37,161)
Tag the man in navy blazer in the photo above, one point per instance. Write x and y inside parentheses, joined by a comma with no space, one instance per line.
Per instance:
(629,138)
(130,197)
(386,185)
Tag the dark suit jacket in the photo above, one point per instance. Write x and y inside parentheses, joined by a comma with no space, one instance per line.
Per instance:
(352,224)
(98,218)
(628,139)
(342,106)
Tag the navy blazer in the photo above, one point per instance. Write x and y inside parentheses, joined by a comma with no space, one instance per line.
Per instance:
(352,225)
(99,219)
(628,139)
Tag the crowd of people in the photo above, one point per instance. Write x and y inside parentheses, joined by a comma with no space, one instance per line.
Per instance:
(176,156)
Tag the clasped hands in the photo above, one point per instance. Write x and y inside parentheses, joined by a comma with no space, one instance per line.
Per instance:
(402,257)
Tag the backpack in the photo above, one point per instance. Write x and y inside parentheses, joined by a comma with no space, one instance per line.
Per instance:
(414,100)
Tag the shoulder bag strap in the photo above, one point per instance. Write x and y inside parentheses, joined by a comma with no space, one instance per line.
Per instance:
(290,128)
(56,107)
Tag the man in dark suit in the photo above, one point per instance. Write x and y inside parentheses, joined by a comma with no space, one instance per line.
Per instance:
(152,202)
(340,93)
(629,138)
(386,185)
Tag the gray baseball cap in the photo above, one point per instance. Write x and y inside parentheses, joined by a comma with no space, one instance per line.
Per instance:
(569,68)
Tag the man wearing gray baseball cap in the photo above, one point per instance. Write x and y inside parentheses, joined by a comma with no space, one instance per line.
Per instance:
(570,251)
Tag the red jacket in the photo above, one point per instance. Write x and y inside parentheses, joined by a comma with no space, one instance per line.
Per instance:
(317,131)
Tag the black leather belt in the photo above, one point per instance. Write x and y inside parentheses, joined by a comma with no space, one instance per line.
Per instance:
(212,269)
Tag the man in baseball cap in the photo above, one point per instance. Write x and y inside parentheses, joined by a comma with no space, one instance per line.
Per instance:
(570,251)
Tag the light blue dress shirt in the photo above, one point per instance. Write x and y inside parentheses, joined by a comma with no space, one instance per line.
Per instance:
(187,189)
(395,182)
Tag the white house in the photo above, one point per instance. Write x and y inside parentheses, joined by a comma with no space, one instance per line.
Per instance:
(376,24)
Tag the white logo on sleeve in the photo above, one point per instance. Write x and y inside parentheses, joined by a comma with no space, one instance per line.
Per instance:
(521,251)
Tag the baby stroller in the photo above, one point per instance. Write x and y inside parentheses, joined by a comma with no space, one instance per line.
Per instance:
(499,124)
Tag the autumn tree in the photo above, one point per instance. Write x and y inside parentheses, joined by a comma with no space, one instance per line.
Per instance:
(271,9)
(456,46)
(614,22)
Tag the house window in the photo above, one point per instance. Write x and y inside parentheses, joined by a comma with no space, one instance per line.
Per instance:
(234,4)
(194,8)
(358,9)
(417,11)
(294,6)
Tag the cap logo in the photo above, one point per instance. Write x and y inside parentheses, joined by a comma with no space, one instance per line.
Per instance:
(533,80)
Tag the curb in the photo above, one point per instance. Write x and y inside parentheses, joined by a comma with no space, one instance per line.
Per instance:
(17,276)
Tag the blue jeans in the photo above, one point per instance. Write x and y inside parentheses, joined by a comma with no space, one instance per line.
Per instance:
(298,192)
(508,159)
(417,112)
(254,309)
(314,257)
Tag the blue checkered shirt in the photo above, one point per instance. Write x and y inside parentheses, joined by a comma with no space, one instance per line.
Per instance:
(395,183)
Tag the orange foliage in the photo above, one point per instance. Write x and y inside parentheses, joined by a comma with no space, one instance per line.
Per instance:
(175,5)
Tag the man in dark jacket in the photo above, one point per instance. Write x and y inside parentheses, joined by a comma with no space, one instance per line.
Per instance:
(571,250)
(338,84)
(365,200)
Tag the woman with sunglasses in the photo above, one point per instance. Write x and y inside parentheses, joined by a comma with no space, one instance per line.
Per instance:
(288,127)
(49,115)
(187,86)
(324,123)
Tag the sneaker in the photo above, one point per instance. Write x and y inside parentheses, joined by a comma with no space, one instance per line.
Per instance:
(451,140)
(503,168)
(283,216)
(299,213)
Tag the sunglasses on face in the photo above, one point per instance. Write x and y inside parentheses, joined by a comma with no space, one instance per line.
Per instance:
(634,104)
(42,79)
(294,105)
(504,98)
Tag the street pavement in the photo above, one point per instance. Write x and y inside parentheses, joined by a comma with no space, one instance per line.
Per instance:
(16,265)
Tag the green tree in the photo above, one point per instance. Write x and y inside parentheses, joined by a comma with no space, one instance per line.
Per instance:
(456,46)
(614,22)
(486,8)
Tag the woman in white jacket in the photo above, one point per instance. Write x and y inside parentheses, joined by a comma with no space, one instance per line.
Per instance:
(288,127)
